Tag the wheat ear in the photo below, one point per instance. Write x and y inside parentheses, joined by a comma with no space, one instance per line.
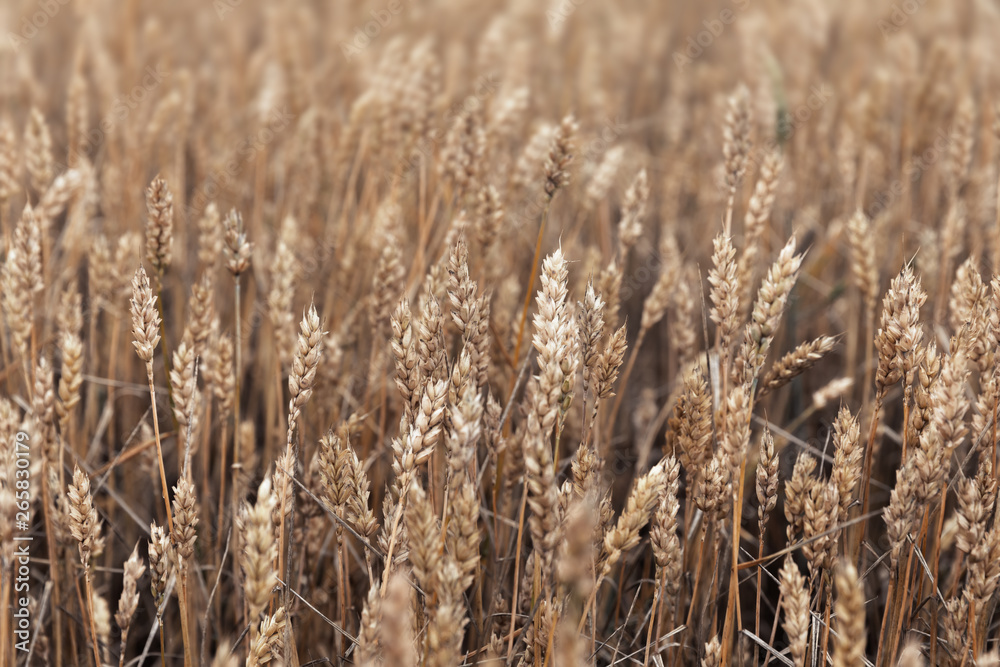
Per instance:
(146,330)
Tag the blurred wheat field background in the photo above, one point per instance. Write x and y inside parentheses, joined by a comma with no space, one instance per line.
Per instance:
(444,333)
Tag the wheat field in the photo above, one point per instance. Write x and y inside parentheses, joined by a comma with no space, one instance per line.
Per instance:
(435,333)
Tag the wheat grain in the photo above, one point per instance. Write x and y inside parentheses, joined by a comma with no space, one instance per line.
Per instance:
(145,319)
(633,212)
(129,601)
(755,221)
(796,596)
(724,294)
(160,226)
(38,151)
(237,246)
(560,155)
(849,644)
(793,364)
